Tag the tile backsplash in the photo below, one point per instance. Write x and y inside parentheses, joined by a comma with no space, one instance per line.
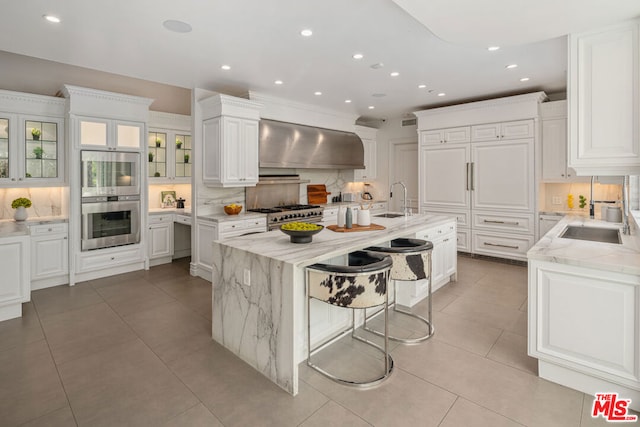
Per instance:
(48,201)
(182,190)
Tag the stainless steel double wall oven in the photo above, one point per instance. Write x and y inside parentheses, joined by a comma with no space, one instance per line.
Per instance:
(110,199)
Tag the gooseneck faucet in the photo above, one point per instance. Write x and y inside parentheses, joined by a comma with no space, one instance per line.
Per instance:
(405,211)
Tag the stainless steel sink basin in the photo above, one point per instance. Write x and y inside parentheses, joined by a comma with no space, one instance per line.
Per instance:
(594,234)
(389,215)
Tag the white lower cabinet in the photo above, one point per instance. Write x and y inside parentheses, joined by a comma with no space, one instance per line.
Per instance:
(206,233)
(49,255)
(160,239)
(583,327)
(444,264)
(14,265)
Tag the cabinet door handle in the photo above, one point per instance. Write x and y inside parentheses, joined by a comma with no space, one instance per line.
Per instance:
(468,173)
(473,184)
(500,246)
(492,221)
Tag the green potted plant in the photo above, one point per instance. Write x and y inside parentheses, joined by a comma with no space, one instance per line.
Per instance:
(158,142)
(178,144)
(38,152)
(20,205)
(35,133)
(186,158)
(150,157)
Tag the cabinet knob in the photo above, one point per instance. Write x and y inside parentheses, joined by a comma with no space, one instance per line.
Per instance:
(13,179)
(561,174)
(112,258)
(49,229)
(65,238)
(497,136)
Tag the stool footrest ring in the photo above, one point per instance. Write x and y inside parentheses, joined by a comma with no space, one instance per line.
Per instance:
(430,328)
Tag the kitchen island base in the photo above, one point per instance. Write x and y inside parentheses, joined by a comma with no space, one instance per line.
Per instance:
(258,297)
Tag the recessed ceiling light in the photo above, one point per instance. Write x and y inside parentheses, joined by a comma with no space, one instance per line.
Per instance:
(441,94)
(317,93)
(52,18)
(493,48)
(510,66)
(422,86)
(394,74)
(306,33)
(278,82)
(347,101)
(358,56)
(371,107)
(177,26)
(524,79)
(226,67)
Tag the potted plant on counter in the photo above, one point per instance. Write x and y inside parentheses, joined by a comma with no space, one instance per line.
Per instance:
(35,134)
(20,205)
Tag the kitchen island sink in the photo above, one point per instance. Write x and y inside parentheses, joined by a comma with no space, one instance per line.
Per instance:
(594,234)
(389,215)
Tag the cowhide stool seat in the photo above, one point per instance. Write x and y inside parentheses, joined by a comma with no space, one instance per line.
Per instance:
(411,261)
(360,285)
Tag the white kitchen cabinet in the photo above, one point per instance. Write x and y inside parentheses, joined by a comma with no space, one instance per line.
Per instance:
(170,148)
(206,233)
(604,100)
(227,229)
(444,264)
(14,265)
(444,179)
(444,136)
(502,175)
(230,130)
(368,137)
(160,238)
(583,327)
(488,182)
(554,142)
(112,135)
(49,255)
(31,140)
(507,130)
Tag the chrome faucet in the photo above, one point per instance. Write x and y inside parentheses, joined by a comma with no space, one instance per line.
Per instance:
(405,210)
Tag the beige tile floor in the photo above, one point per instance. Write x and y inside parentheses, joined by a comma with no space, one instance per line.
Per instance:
(136,349)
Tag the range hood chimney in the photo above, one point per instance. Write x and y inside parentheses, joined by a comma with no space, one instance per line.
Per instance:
(288,145)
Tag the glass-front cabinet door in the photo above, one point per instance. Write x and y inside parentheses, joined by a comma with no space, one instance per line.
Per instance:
(157,154)
(183,156)
(4,148)
(41,149)
(110,134)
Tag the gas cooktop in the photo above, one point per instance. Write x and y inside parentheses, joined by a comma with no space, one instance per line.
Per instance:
(279,215)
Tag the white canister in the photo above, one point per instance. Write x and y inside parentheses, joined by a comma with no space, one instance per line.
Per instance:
(364,217)
(341,216)
(614,214)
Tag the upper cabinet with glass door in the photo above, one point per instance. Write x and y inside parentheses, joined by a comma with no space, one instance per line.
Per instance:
(31,140)
(110,135)
(169,148)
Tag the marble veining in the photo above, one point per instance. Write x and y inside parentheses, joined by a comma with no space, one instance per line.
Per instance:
(46,201)
(623,258)
(261,321)
(12,228)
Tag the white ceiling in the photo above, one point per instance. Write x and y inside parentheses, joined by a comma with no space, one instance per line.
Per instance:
(260,40)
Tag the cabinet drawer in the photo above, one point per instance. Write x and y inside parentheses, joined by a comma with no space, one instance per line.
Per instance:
(257,223)
(434,233)
(498,131)
(488,132)
(91,261)
(462,217)
(520,223)
(183,219)
(38,230)
(160,219)
(229,226)
(501,245)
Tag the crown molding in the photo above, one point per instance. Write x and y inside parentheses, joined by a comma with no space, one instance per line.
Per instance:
(27,103)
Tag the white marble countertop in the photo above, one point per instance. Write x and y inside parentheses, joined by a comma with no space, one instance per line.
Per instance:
(10,228)
(622,258)
(156,211)
(327,244)
(221,217)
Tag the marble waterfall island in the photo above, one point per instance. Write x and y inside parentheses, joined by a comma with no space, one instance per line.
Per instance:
(259,290)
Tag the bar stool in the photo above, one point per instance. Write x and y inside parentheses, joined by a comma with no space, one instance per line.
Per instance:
(411,261)
(360,285)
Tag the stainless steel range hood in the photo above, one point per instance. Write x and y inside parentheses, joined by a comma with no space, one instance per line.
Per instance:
(288,145)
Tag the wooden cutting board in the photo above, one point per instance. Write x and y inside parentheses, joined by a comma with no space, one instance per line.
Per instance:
(317,194)
(356,227)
